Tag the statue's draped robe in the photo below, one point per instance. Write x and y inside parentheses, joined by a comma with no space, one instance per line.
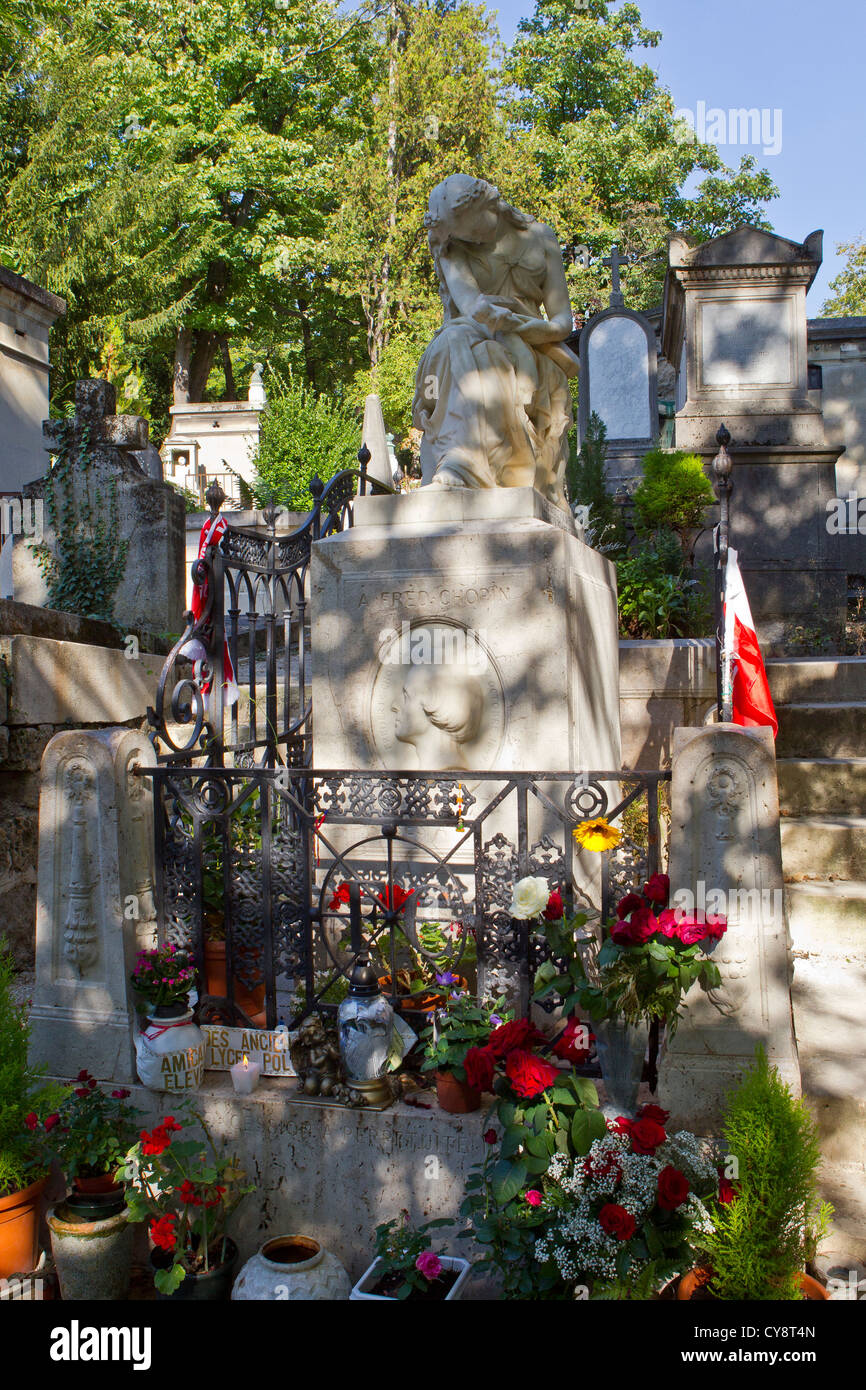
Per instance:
(495,410)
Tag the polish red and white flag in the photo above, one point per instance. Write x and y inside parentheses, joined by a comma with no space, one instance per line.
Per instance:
(752,701)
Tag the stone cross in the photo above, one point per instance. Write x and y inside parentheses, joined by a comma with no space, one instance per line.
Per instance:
(95,403)
(614,260)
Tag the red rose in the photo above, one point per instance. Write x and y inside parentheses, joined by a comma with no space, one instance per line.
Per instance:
(51,1121)
(673,1188)
(644,924)
(646,1136)
(626,906)
(555,907)
(83,1075)
(508,1036)
(727,1191)
(654,1112)
(31,1120)
(573,1044)
(668,922)
(657,888)
(92,1083)
(81,1091)
(616,1221)
(716,927)
(162,1232)
(490,1136)
(528,1074)
(692,928)
(621,1125)
(479,1064)
(609,1167)
(621,933)
(121,1094)
(533,1197)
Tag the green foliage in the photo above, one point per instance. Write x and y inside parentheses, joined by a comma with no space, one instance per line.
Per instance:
(658,594)
(850,284)
(87,564)
(461,1025)
(302,434)
(759,1244)
(605,530)
(673,492)
(23,1094)
(92,1131)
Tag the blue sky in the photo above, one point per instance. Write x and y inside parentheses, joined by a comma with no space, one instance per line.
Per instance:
(806,61)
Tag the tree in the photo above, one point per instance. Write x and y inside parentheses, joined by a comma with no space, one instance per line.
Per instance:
(850,283)
(301,435)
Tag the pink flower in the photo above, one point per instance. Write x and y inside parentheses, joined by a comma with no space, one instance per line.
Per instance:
(533,1197)
(429,1265)
(668,924)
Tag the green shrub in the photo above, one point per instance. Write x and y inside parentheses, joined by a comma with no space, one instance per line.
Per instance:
(587,487)
(674,492)
(22,1092)
(302,434)
(659,595)
(760,1243)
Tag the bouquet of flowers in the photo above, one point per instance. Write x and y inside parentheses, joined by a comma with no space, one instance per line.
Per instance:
(187,1190)
(163,976)
(622,1221)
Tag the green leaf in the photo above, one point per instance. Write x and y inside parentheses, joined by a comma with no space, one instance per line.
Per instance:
(587,1091)
(507,1180)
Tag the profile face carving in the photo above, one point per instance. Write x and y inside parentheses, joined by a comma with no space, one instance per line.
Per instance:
(438,711)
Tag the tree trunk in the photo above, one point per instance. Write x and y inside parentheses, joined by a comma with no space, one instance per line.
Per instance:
(203,354)
(182,354)
(307,338)
(231,391)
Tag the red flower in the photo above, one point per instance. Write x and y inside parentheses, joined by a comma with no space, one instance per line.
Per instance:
(692,928)
(156,1142)
(162,1232)
(626,906)
(31,1120)
(616,1221)
(533,1197)
(716,927)
(654,1112)
(83,1075)
(188,1194)
(673,1188)
(214,1199)
(528,1074)
(340,897)
(646,1136)
(170,1123)
(657,888)
(603,1168)
(121,1094)
(555,907)
(621,1125)
(727,1191)
(621,933)
(92,1083)
(668,922)
(81,1091)
(508,1036)
(644,924)
(479,1063)
(50,1122)
(490,1136)
(400,896)
(573,1044)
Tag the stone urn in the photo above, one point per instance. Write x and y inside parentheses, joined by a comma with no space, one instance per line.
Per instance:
(292,1269)
(93,1258)
(169,1052)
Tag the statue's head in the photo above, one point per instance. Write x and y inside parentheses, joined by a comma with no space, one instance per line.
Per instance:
(448,698)
(463,208)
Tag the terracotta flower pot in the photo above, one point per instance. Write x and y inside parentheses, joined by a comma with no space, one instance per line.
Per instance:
(102,1182)
(457,1097)
(95,1198)
(19,1228)
(424,1001)
(697,1278)
(251,1001)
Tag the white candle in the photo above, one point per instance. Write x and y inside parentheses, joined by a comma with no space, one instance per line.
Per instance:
(245,1076)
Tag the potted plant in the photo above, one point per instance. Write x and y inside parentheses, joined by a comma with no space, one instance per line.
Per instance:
(246,831)
(170,1050)
(453,1032)
(769,1214)
(406,1266)
(25,1099)
(186,1189)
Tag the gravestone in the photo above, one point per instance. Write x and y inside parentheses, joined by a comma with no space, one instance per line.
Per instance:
(95,904)
(150,514)
(726,853)
(380,465)
(735,319)
(618,382)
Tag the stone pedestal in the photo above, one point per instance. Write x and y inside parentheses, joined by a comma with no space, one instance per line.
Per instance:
(95,901)
(726,852)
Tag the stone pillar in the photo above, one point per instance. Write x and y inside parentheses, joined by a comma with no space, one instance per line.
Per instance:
(95,900)
(726,852)
(380,466)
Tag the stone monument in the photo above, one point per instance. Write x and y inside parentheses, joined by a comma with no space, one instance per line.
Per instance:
(150,515)
(726,854)
(376,440)
(618,382)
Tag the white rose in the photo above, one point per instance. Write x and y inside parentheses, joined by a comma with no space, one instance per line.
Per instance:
(529,898)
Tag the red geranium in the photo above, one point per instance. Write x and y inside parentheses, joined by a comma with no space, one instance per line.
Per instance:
(159,1138)
(646,1136)
(518,1033)
(401,895)
(188,1193)
(479,1064)
(214,1199)
(657,888)
(673,1188)
(339,898)
(162,1232)
(573,1044)
(528,1074)
(555,907)
(616,1221)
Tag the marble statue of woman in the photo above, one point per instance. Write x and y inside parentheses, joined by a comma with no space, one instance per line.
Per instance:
(491,391)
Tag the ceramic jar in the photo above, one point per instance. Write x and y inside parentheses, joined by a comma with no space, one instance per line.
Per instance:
(170,1051)
(93,1258)
(295,1269)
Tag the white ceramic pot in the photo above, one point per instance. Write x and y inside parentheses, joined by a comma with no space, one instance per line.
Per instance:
(292,1269)
(370,1278)
(93,1258)
(169,1053)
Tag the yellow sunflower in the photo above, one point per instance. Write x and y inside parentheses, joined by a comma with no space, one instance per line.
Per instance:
(596,834)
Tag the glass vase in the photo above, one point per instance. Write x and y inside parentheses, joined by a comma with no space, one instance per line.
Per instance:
(621,1049)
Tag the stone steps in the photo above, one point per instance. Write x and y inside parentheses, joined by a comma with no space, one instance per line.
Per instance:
(817,679)
(824,847)
(822,730)
(828,913)
(822,786)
